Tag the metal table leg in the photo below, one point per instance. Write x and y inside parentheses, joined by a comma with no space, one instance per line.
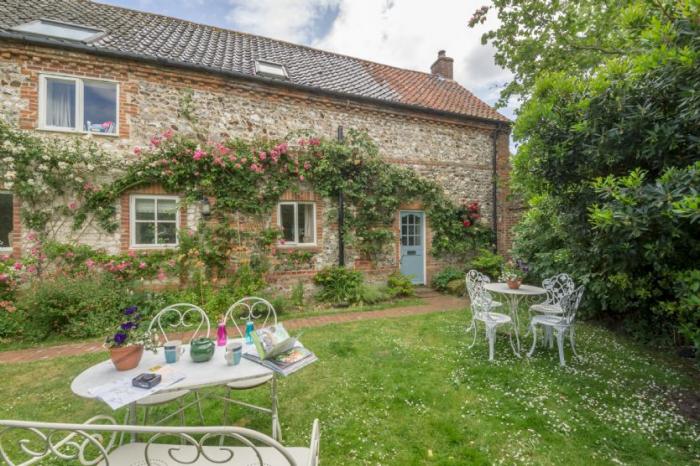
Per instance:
(514,303)
(132,420)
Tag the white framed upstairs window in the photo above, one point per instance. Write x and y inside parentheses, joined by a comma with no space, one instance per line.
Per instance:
(6,221)
(298,222)
(68,103)
(154,221)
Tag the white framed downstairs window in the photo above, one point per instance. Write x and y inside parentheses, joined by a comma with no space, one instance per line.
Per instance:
(298,222)
(6,221)
(154,221)
(68,103)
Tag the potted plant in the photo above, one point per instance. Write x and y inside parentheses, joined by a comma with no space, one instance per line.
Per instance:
(128,342)
(513,273)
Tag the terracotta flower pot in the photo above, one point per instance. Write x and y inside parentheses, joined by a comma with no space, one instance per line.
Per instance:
(514,284)
(126,357)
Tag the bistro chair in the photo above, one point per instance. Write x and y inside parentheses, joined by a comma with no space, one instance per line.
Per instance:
(557,287)
(262,313)
(482,304)
(560,323)
(97,441)
(191,322)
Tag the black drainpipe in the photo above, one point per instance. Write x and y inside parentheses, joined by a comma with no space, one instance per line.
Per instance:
(341,215)
(494,188)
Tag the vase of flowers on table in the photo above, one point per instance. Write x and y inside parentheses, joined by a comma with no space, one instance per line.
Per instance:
(127,344)
(513,273)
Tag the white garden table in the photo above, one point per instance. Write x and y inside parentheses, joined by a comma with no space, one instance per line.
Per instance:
(212,373)
(513,298)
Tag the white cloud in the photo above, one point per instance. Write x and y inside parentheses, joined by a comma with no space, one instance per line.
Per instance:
(291,20)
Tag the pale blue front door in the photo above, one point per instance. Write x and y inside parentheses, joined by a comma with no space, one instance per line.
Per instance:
(413,245)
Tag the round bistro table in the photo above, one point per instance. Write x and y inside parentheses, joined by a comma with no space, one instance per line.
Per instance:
(513,298)
(212,373)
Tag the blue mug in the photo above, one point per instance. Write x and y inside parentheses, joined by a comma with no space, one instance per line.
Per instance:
(172,349)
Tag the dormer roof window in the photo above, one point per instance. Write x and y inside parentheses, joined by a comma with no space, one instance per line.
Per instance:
(270,70)
(57,29)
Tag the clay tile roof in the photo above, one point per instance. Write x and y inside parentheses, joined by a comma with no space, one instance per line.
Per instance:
(160,38)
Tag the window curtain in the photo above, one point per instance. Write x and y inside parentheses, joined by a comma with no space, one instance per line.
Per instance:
(60,103)
(308,223)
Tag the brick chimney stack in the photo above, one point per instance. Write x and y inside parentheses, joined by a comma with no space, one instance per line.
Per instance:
(442,66)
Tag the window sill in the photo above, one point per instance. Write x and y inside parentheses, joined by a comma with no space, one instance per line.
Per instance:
(80,133)
(306,247)
(153,247)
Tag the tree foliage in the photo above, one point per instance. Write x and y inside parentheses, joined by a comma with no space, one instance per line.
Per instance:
(571,37)
(609,166)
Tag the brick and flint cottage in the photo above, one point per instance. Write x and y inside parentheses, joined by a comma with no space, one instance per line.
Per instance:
(72,67)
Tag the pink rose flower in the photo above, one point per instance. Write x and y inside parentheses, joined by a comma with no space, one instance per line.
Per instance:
(142,265)
(314,141)
(4,257)
(31,269)
(137,150)
(73,205)
(32,236)
(218,161)
(198,154)
(155,141)
(262,155)
(162,275)
(90,263)
(238,165)
(307,165)
(301,177)
(168,133)
(4,277)
(17,266)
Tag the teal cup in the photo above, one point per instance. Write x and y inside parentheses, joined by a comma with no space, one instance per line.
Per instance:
(172,350)
(233,353)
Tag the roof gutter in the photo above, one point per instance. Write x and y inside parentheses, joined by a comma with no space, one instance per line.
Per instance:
(80,46)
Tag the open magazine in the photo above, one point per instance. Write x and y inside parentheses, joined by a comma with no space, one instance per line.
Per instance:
(121,392)
(276,350)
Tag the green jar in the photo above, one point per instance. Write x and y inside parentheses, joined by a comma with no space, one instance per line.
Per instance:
(202,349)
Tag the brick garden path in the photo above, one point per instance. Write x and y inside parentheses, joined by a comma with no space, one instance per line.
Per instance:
(433,302)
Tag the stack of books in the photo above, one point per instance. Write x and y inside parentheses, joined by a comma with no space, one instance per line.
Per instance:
(276,350)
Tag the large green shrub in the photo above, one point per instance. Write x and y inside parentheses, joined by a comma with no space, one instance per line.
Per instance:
(72,307)
(608,164)
(488,263)
(339,285)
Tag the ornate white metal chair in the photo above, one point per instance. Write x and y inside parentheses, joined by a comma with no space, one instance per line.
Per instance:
(261,312)
(96,442)
(482,304)
(561,324)
(557,287)
(191,321)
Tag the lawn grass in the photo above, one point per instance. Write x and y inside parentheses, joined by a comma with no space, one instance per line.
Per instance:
(407,391)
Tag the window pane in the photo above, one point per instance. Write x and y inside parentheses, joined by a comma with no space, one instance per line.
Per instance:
(167,209)
(60,103)
(145,233)
(145,209)
(287,220)
(100,106)
(5,219)
(306,223)
(167,233)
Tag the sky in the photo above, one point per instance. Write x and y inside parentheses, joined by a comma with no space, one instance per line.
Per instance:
(403,33)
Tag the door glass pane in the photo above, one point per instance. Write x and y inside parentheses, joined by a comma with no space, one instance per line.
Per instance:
(145,233)
(5,219)
(167,233)
(305,223)
(100,106)
(60,103)
(287,221)
(167,209)
(145,209)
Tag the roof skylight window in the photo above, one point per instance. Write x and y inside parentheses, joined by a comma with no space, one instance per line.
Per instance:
(46,27)
(270,70)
